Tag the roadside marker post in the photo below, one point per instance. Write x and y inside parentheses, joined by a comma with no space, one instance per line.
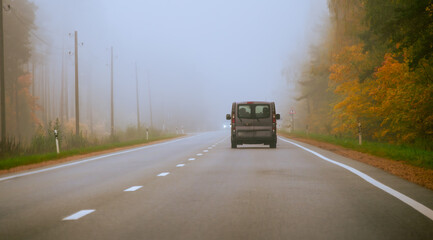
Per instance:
(359,133)
(56,135)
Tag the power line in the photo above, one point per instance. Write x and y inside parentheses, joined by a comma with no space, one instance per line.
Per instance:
(26,23)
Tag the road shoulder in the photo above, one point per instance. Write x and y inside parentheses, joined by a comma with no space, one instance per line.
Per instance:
(420,176)
(78,157)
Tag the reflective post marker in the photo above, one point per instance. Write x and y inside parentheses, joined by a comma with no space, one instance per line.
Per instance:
(57,140)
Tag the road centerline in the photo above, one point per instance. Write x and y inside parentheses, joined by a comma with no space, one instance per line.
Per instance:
(132,189)
(163,174)
(78,215)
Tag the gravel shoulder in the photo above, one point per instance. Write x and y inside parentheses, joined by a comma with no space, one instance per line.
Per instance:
(420,176)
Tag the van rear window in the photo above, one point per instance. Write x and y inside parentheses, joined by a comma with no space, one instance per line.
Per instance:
(254,111)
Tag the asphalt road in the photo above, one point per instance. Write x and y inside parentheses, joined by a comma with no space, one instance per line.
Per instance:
(252,192)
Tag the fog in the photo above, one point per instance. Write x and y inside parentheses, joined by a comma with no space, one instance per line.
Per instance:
(194,57)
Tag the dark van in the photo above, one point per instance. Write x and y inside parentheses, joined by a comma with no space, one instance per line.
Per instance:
(253,123)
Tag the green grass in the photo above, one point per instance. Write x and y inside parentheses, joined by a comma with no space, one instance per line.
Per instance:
(16,161)
(412,155)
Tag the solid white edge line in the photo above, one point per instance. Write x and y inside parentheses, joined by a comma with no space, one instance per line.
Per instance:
(90,159)
(132,189)
(78,215)
(409,201)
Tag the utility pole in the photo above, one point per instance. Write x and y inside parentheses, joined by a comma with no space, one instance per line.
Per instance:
(66,95)
(62,90)
(77,102)
(112,102)
(33,85)
(150,100)
(138,105)
(2,78)
(33,76)
(90,104)
(292,114)
(44,94)
(17,109)
(48,93)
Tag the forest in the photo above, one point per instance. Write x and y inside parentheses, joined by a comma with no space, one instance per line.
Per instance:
(38,101)
(372,72)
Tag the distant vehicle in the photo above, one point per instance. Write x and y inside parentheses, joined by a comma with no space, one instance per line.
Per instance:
(253,123)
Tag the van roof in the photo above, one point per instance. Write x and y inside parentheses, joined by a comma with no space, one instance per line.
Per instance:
(254,102)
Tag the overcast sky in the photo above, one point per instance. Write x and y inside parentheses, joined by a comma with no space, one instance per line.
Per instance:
(199,56)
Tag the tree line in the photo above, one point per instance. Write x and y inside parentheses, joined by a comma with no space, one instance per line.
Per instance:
(372,69)
(38,93)
(20,101)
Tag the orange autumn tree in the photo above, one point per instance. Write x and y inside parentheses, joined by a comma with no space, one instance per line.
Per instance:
(28,106)
(380,74)
(22,107)
(402,101)
(351,106)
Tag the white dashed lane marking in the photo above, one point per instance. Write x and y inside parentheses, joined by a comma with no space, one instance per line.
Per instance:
(90,159)
(78,215)
(132,189)
(83,213)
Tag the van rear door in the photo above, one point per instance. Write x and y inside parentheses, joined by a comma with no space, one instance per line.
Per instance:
(254,120)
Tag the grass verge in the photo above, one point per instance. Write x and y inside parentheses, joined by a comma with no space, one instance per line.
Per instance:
(411,155)
(16,161)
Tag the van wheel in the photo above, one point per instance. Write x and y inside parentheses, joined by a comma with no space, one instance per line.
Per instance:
(234,144)
(273,144)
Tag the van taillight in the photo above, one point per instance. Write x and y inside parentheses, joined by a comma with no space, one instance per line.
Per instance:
(233,121)
(274,123)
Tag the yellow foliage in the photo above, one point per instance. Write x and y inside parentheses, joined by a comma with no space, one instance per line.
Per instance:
(344,79)
(383,90)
